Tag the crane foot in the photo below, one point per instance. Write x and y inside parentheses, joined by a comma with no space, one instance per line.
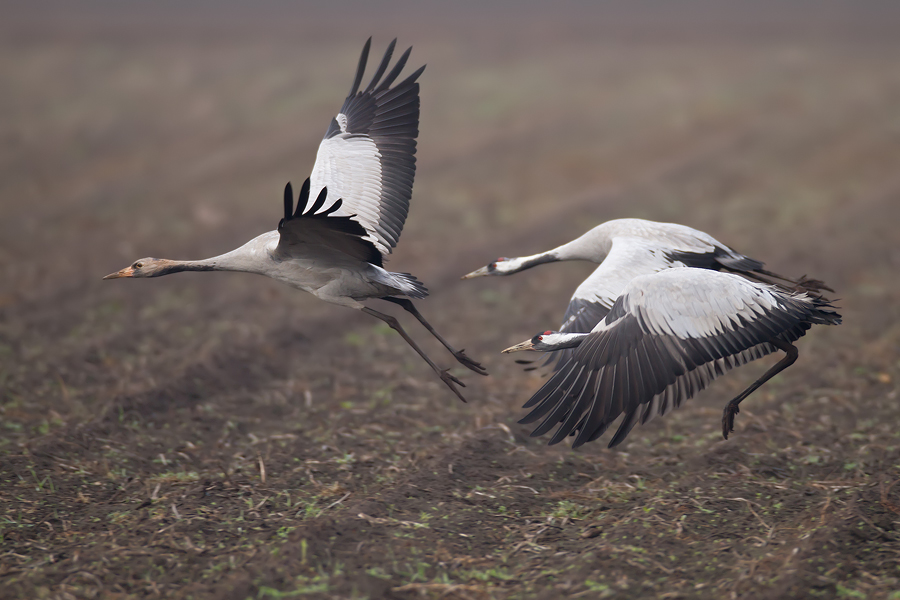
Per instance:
(451,380)
(728,418)
(460,356)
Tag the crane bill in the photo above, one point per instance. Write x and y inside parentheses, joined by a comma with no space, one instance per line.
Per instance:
(126,272)
(527,345)
(477,273)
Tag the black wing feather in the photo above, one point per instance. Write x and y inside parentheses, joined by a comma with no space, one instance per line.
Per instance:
(726,259)
(383,66)
(623,367)
(303,199)
(342,234)
(361,67)
(320,200)
(390,117)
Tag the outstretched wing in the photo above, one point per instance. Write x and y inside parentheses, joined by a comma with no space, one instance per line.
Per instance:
(668,335)
(367,157)
(304,233)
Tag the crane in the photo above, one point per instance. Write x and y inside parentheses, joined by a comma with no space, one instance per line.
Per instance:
(366,164)
(626,248)
(666,337)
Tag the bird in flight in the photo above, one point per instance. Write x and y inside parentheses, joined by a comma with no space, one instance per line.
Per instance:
(334,247)
(666,337)
(626,248)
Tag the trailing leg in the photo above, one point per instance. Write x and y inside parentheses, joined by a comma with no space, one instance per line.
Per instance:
(460,355)
(732,408)
(444,374)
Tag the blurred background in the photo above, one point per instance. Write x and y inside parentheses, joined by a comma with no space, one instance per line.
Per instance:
(169,130)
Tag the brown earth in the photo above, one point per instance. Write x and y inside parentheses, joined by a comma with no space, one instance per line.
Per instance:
(222,436)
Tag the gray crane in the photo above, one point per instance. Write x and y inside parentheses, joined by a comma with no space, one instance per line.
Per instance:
(365,165)
(666,337)
(626,248)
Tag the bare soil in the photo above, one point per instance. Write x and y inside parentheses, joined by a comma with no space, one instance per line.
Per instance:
(222,436)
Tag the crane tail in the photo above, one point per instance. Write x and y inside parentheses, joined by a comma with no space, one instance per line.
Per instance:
(409,285)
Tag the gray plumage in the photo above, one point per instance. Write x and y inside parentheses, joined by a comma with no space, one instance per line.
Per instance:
(666,337)
(334,246)
(627,248)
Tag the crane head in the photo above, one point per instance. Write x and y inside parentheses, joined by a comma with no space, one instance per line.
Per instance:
(501,266)
(536,343)
(548,341)
(145,267)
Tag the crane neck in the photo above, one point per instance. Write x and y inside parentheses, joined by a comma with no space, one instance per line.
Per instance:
(249,258)
(592,246)
(561,341)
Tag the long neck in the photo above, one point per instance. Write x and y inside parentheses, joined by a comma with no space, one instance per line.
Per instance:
(592,246)
(223,262)
(514,265)
(561,341)
(249,258)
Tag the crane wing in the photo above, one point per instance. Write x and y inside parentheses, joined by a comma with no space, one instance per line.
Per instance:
(367,157)
(300,232)
(667,335)
(628,258)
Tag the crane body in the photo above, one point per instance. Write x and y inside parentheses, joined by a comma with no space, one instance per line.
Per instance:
(666,337)
(627,248)
(334,246)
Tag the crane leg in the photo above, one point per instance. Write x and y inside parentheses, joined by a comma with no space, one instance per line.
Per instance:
(460,355)
(732,408)
(444,374)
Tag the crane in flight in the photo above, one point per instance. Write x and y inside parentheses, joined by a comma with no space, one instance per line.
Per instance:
(626,248)
(364,172)
(666,337)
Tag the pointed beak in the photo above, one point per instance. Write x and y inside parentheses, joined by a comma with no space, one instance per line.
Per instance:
(126,272)
(479,273)
(527,345)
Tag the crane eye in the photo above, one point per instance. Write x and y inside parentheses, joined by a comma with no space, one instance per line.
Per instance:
(138,265)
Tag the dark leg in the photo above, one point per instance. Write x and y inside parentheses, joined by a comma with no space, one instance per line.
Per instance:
(732,409)
(460,355)
(444,374)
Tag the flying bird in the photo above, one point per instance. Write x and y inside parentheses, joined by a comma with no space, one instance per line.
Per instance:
(666,337)
(362,182)
(626,248)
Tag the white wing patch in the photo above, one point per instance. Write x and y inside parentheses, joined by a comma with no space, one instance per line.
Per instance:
(695,303)
(341,119)
(350,166)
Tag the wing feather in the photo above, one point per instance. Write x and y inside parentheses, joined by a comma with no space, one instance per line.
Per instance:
(300,230)
(663,341)
(367,157)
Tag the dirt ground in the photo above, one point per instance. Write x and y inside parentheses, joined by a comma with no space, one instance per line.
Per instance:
(223,436)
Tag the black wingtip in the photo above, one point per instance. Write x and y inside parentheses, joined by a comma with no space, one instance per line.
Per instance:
(333,208)
(383,66)
(288,200)
(398,67)
(302,200)
(363,58)
(412,78)
(320,200)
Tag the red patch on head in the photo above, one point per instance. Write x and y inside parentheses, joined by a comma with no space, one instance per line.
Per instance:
(501,259)
(547,333)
